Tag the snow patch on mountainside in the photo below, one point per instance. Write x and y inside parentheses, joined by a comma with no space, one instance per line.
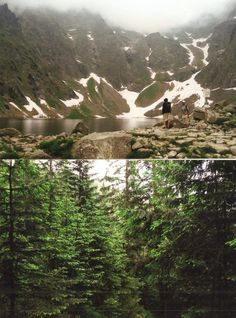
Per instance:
(148,57)
(230,89)
(33,106)
(84,81)
(70,37)
(43,102)
(184,90)
(89,36)
(14,105)
(205,50)
(135,112)
(180,92)
(195,43)
(74,101)
(190,53)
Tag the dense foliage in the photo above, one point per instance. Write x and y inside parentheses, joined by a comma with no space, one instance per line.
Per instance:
(158,239)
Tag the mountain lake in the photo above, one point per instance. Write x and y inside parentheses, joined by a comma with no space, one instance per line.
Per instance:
(48,127)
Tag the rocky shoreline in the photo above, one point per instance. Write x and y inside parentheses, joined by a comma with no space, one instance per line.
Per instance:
(201,140)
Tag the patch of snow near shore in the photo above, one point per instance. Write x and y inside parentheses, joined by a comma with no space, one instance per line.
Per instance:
(81,97)
(14,105)
(170,73)
(182,90)
(100,117)
(32,105)
(135,111)
(74,101)
(43,102)
(186,89)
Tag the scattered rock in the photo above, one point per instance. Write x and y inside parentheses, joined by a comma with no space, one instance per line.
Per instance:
(220,148)
(231,142)
(198,141)
(37,154)
(212,116)
(201,126)
(172,154)
(199,114)
(176,123)
(11,132)
(181,155)
(137,146)
(233,150)
(110,145)
(63,135)
(80,128)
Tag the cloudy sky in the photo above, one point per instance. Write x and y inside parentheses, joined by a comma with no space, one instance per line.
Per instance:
(140,15)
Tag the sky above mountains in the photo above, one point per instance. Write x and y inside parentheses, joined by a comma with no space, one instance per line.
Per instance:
(139,15)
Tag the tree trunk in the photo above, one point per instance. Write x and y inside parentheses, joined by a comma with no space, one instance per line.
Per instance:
(12,296)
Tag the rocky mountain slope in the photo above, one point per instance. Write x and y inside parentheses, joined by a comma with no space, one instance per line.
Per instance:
(75,65)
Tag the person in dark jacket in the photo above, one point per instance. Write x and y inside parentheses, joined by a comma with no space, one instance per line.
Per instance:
(166,111)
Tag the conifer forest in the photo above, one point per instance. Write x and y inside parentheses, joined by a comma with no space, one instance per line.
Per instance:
(155,239)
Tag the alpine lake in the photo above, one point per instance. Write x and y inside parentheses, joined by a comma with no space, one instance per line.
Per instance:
(47,127)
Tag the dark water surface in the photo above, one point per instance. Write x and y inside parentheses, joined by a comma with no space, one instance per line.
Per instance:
(58,126)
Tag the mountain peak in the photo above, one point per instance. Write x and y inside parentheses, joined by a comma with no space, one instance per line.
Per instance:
(8,19)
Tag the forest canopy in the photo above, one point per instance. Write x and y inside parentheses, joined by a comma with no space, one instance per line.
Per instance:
(155,240)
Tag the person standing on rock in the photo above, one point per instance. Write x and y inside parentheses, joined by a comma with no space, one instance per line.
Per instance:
(166,111)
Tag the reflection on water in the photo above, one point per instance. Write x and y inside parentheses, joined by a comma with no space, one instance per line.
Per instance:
(57,126)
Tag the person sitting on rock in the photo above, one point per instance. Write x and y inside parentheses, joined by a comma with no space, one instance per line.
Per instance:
(166,111)
(185,113)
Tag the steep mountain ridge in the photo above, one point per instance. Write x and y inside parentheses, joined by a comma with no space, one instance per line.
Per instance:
(222,69)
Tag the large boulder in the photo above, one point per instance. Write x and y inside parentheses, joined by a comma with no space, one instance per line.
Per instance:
(212,116)
(11,132)
(37,154)
(80,128)
(199,114)
(108,145)
(176,123)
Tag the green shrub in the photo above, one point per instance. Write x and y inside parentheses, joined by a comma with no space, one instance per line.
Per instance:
(9,152)
(53,103)
(2,102)
(220,121)
(59,147)
(91,88)
(139,154)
